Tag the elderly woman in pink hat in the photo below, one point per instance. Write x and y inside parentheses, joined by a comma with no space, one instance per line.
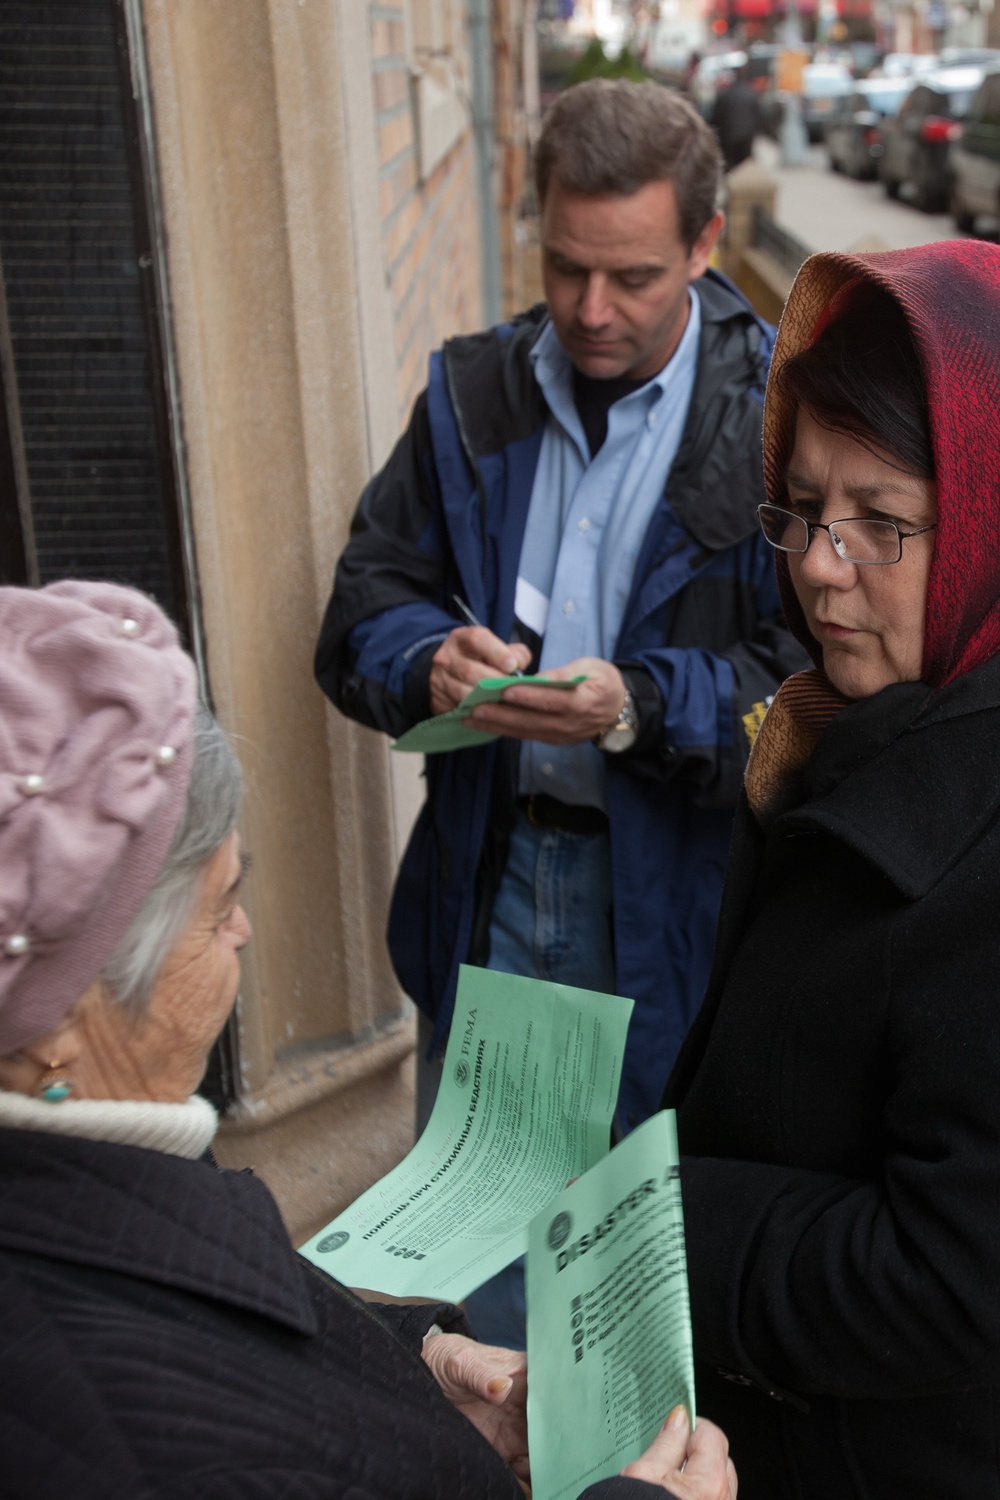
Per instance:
(158,1334)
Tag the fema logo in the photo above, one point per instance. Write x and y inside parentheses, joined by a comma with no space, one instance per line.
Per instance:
(559,1231)
(333,1241)
(462,1073)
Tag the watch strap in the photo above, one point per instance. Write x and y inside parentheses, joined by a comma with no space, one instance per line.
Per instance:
(627,719)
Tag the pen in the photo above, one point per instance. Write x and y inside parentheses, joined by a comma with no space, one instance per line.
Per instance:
(471,619)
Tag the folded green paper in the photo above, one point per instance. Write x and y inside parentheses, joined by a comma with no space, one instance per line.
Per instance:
(448,732)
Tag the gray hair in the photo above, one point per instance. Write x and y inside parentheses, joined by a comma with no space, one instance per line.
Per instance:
(209,816)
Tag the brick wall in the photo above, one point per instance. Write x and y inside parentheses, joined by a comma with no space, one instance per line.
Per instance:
(430,230)
(516,106)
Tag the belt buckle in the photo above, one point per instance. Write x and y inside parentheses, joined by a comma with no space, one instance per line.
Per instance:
(529,811)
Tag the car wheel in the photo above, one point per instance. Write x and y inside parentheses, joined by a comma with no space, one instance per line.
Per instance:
(964,221)
(928,197)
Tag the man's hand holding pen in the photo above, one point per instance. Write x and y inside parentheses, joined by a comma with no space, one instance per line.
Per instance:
(468,655)
(556,717)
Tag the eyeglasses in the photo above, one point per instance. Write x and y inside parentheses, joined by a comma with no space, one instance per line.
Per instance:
(870,544)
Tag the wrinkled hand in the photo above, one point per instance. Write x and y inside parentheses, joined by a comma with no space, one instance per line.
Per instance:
(558,717)
(689,1465)
(487,1385)
(468,655)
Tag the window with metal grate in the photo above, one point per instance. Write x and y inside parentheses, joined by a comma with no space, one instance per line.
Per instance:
(89,484)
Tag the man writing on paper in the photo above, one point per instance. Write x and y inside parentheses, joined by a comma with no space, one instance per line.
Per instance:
(584,481)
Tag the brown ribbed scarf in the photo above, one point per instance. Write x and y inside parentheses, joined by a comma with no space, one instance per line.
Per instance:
(801,709)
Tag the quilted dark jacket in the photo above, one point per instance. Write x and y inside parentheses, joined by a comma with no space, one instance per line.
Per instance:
(159,1337)
(839,1106)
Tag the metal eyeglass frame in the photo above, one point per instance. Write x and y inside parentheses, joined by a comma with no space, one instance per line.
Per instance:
(837,542)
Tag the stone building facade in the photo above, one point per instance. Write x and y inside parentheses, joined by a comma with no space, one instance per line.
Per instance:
(316,202)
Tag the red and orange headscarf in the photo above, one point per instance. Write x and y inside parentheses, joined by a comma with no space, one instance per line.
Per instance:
(950,295)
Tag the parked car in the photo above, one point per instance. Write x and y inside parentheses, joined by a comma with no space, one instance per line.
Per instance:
(974,158)
(963,57)
(853,132)
(822,85)
(862,58)
(908,64)
(915,143)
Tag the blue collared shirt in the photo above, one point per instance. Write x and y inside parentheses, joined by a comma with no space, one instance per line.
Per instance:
(586,523)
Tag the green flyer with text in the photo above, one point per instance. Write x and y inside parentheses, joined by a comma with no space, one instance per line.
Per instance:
(528,1088)
(609,1322)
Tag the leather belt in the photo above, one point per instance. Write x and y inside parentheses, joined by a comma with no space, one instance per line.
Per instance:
(543,811)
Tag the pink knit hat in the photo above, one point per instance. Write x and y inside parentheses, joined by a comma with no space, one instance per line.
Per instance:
(97,701)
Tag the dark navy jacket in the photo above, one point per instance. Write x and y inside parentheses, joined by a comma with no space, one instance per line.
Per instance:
(703,644)
(161,1340)
(839,1106)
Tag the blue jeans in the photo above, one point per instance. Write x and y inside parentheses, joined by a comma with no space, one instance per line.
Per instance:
(552,915)
(551,920)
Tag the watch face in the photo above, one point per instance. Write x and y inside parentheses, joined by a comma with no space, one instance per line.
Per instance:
(618,738)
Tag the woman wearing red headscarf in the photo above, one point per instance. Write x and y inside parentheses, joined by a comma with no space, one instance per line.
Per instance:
(839,1096)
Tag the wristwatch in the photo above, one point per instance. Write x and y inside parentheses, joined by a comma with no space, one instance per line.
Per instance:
(621,734)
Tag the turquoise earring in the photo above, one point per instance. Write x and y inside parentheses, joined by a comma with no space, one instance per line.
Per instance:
(55,1085)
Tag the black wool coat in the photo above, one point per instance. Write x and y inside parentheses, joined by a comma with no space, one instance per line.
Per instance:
(839,1117)
(161,1340)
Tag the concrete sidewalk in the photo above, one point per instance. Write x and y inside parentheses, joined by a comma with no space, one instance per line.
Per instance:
(829,212)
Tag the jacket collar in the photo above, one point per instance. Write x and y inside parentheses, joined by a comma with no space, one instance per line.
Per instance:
(177,1223)
(868,781)
(491,383)
(717,479)
(722,301)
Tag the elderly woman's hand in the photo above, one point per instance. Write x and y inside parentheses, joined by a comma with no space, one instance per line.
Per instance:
(689,1465)
(489,1386)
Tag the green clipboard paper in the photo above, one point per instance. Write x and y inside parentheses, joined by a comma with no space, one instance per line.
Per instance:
(527,1092)
(448,732)
(610,1351)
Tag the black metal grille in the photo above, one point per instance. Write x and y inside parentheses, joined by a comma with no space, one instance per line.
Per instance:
(78,327)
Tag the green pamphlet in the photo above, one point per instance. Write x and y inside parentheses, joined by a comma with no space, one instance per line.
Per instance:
(527,1092)
(448,732)
(609,1323)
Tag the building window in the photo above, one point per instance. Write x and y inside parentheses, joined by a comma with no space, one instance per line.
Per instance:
(432,23)
(439,69)
(86,479)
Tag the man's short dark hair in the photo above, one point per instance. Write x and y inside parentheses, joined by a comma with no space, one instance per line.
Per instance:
(610,136)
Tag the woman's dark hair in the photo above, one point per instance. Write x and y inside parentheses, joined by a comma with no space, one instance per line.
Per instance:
(862,377)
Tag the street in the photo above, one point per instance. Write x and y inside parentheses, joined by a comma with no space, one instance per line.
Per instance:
(827,211)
